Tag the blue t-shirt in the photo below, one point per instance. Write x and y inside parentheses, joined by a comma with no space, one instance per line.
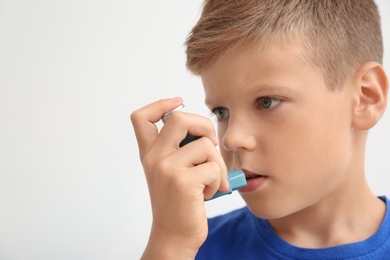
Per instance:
(241,235)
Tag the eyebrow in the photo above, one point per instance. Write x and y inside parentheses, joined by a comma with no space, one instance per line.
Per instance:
(271,88)
(267,88)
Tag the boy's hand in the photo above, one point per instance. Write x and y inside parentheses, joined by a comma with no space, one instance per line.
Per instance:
(179,179)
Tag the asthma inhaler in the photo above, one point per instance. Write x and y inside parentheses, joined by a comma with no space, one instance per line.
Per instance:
(236,178)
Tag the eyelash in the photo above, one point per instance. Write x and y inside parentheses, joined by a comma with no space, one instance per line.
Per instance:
(259,104)
(215,112)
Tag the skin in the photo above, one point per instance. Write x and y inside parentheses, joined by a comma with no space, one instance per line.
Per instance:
(179,179)
(277,119)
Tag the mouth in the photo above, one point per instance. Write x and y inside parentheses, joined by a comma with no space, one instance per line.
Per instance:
(250,175)
(254,181)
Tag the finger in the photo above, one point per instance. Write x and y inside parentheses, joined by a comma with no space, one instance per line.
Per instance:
(204,152)
(208,176)
(144,120)
(199,152)
(182,123)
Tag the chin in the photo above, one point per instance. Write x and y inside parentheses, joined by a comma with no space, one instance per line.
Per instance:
(261,210)
(271,209)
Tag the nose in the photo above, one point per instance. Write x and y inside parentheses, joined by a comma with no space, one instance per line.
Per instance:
(239,135)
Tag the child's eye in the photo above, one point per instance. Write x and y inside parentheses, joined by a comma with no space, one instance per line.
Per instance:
(220,112)
(268,102)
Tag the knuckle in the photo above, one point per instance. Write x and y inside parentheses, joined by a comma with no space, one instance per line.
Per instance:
(172,180)
(214,167)
(206,143)
(135,115)
(176,118)
(210,123)
(161,166)
(164,168)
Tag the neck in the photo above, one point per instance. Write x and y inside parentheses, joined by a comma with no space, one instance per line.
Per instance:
(350,214)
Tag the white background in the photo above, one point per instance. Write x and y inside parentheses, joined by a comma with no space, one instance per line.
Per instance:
(71,72)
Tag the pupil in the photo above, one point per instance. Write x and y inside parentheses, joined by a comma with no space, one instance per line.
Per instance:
(220,112)
(267,102)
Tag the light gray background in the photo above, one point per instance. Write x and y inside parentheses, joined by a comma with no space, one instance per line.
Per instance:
(71,72)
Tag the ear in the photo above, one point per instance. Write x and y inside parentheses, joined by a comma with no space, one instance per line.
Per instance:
(371,88)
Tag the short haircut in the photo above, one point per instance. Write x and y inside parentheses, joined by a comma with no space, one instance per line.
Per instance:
(336,36)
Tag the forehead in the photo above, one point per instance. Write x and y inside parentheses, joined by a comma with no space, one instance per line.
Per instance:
(280,64)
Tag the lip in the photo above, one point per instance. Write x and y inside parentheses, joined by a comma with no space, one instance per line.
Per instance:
(254,181)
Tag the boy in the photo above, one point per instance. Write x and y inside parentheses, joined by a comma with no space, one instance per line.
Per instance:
(295,86)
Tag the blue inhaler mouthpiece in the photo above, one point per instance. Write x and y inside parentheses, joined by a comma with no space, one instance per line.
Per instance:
(236,179)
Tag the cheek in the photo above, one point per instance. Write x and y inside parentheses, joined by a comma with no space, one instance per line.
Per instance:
(315,144)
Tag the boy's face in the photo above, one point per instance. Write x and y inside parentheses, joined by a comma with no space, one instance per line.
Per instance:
(279,123)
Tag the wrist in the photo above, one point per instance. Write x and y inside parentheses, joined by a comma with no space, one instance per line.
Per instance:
(164,246)
(161,251)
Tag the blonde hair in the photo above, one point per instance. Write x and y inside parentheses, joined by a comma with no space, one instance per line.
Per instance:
(336,36)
